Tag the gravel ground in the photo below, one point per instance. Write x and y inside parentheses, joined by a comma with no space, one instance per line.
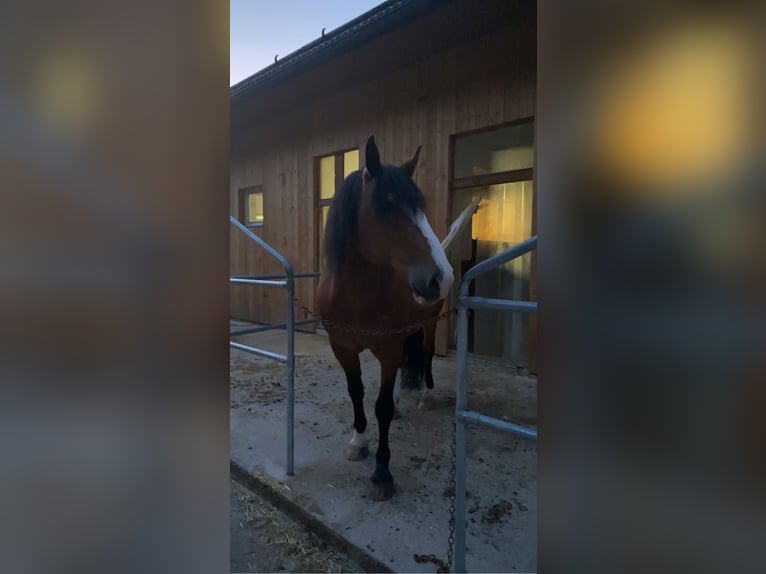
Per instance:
(263,539)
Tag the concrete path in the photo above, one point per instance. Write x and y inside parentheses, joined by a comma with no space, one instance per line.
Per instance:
(502,470)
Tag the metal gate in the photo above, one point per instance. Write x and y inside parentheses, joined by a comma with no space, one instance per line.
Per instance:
(462,414)
(287,282)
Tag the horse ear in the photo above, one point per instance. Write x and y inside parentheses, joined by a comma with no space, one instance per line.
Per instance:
(409,166)
(372,157)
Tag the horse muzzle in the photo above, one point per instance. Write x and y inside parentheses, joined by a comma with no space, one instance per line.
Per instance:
(427,290)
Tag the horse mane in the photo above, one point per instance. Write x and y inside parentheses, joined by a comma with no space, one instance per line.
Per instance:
(340,230)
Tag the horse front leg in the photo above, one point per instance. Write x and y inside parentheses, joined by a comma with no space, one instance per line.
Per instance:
(357,448)
(382,480)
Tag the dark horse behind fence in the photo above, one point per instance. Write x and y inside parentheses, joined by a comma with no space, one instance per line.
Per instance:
(385,272)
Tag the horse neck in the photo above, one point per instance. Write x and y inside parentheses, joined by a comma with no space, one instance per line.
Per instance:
(356,266)
(355,274)
(356,260)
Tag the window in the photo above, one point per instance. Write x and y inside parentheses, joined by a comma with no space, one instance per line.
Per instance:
(494,156)
(251,206)
(331,170)
(497,165)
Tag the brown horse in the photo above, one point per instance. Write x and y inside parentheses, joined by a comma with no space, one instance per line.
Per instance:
(385,272)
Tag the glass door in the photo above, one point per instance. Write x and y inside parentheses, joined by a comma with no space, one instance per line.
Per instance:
(495,165)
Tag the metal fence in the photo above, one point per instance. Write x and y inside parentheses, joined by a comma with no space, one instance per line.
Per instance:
(287,282)
(462,414)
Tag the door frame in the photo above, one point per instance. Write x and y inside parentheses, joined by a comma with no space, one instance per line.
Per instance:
(527,174)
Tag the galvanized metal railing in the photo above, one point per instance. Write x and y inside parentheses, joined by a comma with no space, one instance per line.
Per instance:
(286,281)
(462,414)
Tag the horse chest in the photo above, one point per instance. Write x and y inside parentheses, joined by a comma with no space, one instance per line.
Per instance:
(367,302)
(377,299)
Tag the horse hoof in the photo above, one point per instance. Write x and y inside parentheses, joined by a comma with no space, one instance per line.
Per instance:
(356,453)
(382,491)
(382,483)
(427,403)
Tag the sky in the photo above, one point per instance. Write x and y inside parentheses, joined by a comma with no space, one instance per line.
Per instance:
(259,29)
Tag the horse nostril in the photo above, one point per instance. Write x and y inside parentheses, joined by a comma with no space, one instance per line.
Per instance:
(428,289)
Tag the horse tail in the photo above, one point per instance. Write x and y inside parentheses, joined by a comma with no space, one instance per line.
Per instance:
(413,365)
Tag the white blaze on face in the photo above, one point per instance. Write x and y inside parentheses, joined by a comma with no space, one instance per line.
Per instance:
(437,253)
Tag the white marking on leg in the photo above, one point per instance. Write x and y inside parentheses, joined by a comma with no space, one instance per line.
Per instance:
(358,440)
(426,402)
(397,386)
(437,253)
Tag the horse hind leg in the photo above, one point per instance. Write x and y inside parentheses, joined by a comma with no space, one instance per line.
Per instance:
(397,393)
(358,447)
(427,401)
(413,361)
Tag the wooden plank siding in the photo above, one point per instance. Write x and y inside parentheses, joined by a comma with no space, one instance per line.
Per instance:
(454,70)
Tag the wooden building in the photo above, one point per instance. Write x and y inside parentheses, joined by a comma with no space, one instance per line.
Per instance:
(455,76)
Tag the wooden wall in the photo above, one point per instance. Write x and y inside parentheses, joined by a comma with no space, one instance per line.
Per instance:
(467,65)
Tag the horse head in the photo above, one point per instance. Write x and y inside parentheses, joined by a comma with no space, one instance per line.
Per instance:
(393,229)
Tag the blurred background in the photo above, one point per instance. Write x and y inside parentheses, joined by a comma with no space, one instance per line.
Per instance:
(652,287)
(649,150)
(113,286)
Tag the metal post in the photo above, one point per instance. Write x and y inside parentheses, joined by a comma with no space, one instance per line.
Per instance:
(290,372)
(289,358)
(461,400)
(461,404)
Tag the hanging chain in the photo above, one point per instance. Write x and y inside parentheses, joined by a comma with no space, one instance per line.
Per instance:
(408,329)
(444,567)
(453,464)
(422,558)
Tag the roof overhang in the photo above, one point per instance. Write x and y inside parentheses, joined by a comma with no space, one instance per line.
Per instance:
(359,31)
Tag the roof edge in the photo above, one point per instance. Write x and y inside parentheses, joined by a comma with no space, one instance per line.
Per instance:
(363,28)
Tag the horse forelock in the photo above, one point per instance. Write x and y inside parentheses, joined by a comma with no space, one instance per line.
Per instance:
(406,195)
(391,188)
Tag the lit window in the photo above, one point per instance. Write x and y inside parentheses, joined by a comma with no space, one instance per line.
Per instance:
(254,207)
(332,169)
(350,162)
(327,177)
